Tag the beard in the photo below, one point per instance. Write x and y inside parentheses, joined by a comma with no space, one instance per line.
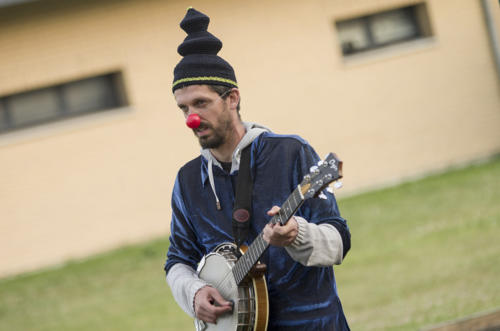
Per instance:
(219,134)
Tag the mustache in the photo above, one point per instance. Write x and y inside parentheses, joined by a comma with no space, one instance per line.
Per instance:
(203,126)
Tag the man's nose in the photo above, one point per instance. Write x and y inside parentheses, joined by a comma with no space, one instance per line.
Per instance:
(193,121)
(192,110)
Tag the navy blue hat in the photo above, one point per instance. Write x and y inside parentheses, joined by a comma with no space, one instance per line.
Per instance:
(200,63)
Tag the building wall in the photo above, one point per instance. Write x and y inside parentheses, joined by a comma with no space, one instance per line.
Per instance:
(80,186)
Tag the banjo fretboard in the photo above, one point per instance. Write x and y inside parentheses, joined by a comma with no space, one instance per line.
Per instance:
(259,245)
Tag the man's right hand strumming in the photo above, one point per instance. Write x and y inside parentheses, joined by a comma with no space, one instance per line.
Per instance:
(209,304)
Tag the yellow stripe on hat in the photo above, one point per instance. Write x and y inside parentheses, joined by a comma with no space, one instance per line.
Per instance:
(204,78)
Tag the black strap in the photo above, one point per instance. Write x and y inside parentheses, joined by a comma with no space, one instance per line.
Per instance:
(243,204)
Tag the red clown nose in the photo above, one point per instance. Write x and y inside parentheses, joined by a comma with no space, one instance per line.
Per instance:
(193,121)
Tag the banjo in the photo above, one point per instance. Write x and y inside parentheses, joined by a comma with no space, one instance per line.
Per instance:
(229,274)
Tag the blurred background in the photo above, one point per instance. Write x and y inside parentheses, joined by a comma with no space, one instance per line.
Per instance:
(91,138)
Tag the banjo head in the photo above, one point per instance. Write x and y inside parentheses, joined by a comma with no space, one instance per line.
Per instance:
(216,269)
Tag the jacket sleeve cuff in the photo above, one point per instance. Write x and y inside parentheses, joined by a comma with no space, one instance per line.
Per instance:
(193,290)
(301,248)
(301,236)
(184,284)
(316,245)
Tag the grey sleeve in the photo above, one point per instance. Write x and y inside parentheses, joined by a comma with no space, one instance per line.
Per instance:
(184,283)
(316,245)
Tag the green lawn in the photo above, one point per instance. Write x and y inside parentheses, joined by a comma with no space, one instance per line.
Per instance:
(423,252)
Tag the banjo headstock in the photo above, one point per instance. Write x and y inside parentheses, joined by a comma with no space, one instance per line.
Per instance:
(327,171)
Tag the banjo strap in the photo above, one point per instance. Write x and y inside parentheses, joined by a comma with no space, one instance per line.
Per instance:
(243,200)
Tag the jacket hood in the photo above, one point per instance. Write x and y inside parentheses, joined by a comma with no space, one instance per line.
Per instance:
(253,130)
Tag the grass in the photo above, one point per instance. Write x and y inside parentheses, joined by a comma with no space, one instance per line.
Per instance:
(422,253)
(120,290)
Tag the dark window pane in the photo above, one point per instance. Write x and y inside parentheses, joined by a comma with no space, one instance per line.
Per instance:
(393,26)
(3,117)
(353,36)
(89,95)
(32,107)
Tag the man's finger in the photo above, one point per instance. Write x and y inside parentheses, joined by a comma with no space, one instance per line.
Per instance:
(273,211)
(222,310)
(209,304)
(219,299)
(266,233)
(207,317)
(221,305)
(288,228)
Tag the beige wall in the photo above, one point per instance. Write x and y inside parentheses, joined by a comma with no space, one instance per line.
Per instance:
(80,186)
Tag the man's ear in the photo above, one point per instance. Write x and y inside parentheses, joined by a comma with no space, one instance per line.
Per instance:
(234,98)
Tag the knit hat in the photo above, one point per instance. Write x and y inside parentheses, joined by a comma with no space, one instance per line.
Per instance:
(200,63)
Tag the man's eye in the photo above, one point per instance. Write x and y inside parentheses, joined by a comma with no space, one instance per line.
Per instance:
(201,103)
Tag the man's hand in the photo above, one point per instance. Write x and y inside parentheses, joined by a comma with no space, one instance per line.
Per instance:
(280,235)
(209,304)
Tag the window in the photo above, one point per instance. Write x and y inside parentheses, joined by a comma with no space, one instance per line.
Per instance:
(66,100)
(382,29)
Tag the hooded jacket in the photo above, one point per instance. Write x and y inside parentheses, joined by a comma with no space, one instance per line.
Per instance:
(300,277)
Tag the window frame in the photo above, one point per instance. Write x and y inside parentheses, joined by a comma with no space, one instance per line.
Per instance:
(117,97)
(417,13)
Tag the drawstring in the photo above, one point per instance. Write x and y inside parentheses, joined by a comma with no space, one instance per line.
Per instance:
(211,179)
(252,131)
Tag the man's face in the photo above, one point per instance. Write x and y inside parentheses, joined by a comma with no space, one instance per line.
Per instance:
(216,121)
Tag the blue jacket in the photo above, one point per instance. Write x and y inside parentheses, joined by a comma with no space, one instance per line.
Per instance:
(300,298)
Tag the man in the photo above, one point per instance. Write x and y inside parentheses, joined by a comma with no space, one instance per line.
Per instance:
(299,276)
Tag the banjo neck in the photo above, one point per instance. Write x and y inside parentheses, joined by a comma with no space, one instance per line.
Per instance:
(259,245)
(312,184)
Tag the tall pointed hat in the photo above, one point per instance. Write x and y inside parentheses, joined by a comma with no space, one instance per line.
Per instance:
(200,63)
